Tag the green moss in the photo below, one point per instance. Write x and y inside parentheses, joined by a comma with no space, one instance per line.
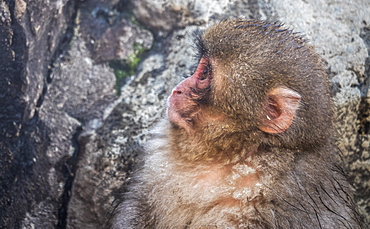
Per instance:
(127,67)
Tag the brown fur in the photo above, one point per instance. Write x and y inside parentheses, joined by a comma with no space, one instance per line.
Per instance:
(217,168)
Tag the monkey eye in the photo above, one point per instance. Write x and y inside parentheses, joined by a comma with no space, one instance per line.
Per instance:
(205,74)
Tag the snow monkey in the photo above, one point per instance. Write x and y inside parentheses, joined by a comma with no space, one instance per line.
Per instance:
(247,141)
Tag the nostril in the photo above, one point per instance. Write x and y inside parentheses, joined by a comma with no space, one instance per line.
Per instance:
(177,91)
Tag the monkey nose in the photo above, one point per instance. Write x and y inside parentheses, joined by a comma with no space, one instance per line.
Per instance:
(177,91)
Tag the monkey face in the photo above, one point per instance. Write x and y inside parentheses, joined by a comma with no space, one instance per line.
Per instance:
(190,96)
(190,99)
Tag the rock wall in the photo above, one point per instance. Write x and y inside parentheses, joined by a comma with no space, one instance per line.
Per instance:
(82,81)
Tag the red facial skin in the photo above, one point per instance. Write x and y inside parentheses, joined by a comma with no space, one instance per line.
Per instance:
(182,107)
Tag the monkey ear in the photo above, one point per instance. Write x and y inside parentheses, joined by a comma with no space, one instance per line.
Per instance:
(282,104)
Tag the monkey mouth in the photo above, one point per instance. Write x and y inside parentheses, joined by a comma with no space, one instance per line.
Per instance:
(183,118)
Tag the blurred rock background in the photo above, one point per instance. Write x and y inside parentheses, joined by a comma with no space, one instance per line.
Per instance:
(82,81)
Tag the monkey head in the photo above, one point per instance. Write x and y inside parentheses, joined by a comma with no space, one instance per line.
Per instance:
(255,81)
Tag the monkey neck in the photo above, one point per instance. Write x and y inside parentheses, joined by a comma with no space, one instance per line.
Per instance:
(221,143)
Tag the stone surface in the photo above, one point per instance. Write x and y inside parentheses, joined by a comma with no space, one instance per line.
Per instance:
(110,34)
(68,139)
(30,37)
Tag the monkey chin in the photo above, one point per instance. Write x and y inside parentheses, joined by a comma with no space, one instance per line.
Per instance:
(175,118)
(182,116)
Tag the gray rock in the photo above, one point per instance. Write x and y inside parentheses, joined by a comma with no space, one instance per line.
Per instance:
(109,34)
(30,35)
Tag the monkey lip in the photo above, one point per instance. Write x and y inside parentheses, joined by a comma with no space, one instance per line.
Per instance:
(184,107)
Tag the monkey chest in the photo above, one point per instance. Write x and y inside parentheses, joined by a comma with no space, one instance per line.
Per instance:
(211,197)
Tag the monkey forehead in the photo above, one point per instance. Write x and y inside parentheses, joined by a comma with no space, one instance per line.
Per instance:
(258,55)
(233,39)
(254,31)
(236,86)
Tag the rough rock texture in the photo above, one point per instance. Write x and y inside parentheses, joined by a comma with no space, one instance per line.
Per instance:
(68,139)
(30,38)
